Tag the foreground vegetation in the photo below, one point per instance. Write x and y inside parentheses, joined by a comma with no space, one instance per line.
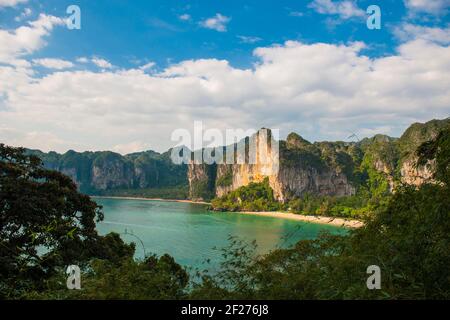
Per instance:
(407,236)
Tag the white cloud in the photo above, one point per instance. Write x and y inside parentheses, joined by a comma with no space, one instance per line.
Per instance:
(11,3)
(101,63)
(218,22)
(407,32)
(428,6)
(249,39)
(37,139)
(147,66)
(26,39)
(82,60)
(322,91)
(131,147)
(25,14)
(344,9)
(184,17)
(57,64)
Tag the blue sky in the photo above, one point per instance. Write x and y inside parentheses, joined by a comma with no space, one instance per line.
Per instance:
(168,60)
(126,34)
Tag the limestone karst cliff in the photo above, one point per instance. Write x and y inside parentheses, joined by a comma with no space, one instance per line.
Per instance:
(325,168)
(301,167)
(105,172)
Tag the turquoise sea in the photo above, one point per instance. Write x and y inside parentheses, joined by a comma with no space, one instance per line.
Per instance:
(190,233)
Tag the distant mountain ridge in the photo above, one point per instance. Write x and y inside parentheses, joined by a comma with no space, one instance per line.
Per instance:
(107,173)
(320,168)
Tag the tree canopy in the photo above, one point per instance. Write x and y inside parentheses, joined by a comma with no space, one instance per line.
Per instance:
(45,224)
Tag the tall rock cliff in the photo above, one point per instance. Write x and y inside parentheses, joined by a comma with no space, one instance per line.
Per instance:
(323,168)
(295,168)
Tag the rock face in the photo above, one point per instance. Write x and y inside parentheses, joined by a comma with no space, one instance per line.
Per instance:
(72,173)
(416,175)
(203,175)
(104,172)
(411,139)
(112,171)
(323,168)
(288,174)
(297,182)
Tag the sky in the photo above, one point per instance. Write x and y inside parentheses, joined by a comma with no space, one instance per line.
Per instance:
(138,70)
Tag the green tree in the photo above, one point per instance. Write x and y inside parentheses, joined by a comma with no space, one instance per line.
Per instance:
(154,278)
(45,224)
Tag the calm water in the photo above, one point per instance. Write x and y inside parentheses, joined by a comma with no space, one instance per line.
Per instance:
(189,232)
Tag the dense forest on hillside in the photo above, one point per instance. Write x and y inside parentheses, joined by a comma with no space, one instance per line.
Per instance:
(408,236)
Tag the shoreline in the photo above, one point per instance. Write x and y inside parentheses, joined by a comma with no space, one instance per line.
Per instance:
(340,222)
(150,199)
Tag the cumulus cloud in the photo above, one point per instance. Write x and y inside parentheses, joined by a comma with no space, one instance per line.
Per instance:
(11,3)
(25,14)
(57,64)
(218,22)
(344,9)
(428,6)
(101,63)
(322,91)
(26,39)
(407,32)
(147,66)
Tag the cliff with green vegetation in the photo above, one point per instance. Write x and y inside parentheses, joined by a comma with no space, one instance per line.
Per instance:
(346,179)
(148,173)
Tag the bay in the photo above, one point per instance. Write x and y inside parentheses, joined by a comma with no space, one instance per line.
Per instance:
(192,234)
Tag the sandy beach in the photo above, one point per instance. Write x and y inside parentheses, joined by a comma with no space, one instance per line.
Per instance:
(348,223)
